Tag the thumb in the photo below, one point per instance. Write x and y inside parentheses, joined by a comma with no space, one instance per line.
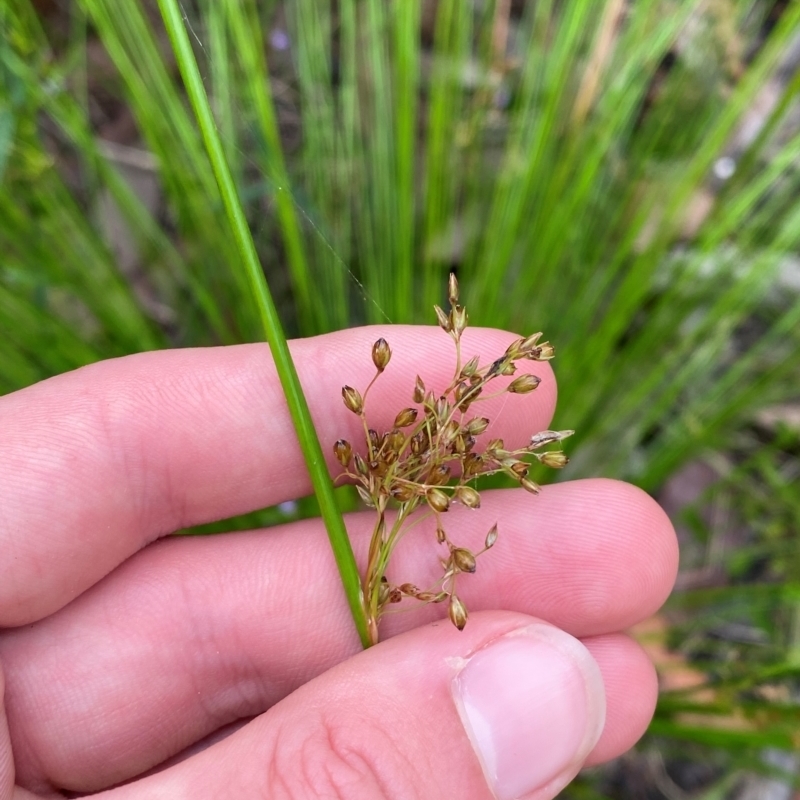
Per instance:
(509,708)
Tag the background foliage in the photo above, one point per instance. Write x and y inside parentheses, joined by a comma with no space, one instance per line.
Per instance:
(622,174)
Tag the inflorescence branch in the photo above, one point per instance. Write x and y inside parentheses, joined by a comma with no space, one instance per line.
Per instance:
(429,458)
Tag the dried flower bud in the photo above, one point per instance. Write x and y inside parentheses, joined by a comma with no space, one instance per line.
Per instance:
(494,445)
(429,597)
(467,496)
(381,354)
(530,486)
(419,390)
(450,432)
(361,465)
(508,369)
(437,500)
(547,437)
(343,452)
(514,350)
(441,536)
(470,368)
(529,342)
(444,320)
(477,426)
(402,493)
(442,408)
(395,595)
(452,289)
(409,589)
(459,319)
(374,439)
(553,458)
(405,418)
(524,384)
(543,352)
(352,399)
(365,497)
(457,612)
(491,537)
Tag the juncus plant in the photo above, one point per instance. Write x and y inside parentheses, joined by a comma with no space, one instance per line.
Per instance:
(430,458)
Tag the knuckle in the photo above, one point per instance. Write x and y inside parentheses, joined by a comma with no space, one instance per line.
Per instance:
(335,762)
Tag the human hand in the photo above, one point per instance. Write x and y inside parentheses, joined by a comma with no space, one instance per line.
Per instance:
(121,652)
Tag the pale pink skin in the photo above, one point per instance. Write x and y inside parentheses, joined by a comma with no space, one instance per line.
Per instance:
(120,651)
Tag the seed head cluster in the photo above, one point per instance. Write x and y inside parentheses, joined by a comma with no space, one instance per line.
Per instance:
(429,458)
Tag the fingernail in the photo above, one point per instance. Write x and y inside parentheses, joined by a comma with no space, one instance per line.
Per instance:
(533,706)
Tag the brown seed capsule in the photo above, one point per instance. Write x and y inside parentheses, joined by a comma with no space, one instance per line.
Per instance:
(419,390)
(463,559)
(402,493)
(524,384)
(441,536)
(444,320)
(381,354)
(405,418)
(547,437)
(530,486)
(352,399)
(520,469)
(437,500)
(420,443)
(467,496)
(378,468)
(409,589)
(393,441)
(542,352)
(461,391)
(428,597)
(343,452)
(472,464)
(452,289)
(477,425)
(439,475)
(555,459)
(457,612)
(491,537)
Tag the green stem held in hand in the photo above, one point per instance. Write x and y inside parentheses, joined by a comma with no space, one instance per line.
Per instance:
(301,417)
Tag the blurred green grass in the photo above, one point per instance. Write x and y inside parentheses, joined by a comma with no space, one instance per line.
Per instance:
(621,175)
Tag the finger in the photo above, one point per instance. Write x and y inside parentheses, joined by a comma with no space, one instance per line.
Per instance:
(223,627)
(98,462)
(508,709)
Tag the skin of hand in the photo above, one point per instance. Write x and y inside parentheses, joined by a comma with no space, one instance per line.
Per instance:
(139,666)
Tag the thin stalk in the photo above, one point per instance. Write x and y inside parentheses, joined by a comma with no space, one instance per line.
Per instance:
(298,407)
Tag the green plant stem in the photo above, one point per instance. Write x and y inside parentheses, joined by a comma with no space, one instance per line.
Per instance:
(298,407)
